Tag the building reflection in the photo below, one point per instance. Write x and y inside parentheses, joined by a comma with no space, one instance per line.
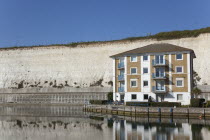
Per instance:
(126,130)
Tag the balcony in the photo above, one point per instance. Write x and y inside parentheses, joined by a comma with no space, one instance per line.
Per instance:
(121,66)
(160,76)
(157,62)
(121,89)
(161,89)
(120,77)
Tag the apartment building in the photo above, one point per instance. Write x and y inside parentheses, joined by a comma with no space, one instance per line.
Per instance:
(161,72)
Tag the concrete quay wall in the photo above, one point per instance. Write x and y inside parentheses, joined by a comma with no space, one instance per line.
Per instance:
(135,111)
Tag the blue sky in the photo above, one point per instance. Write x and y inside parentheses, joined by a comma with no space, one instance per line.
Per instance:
(40,22)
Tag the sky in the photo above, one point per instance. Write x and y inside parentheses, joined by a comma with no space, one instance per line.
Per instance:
(42,22)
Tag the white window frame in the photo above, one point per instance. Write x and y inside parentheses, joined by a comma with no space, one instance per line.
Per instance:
(147,58)
(182,69)
(133,68)
(131,59)
(177,97)
(147,70)
(144,85)
(181,54)
(182,79)
(136,83)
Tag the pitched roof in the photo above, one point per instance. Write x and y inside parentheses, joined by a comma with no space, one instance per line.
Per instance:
(155,48)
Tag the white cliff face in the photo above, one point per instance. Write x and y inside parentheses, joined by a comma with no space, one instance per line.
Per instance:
(84,65)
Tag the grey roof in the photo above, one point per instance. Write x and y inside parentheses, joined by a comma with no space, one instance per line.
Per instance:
(155,48)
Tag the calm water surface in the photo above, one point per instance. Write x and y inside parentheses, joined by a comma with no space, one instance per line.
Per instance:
(71,123)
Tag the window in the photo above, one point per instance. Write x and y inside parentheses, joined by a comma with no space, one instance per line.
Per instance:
(145,83)
(133,96)
(179,69)
(133,70)
(133,83)
(179,57)
(122,72)
(133,59)
(145,70)
(145,57)
(179,97)
(179,82)
(146,97)
(159,59)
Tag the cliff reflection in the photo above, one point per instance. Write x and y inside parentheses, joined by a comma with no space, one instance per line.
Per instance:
(65,122)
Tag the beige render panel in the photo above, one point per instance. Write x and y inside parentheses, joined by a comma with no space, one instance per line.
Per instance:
(179,89)
(137,76)
(179,62)
(134,89)
(184,75)
(134,64)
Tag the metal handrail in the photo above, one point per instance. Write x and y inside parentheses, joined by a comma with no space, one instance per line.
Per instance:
(162,75)
(121,89)
(158,62)
(120,77)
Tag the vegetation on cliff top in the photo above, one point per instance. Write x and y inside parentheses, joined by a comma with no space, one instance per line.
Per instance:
(158,36)
(173,34)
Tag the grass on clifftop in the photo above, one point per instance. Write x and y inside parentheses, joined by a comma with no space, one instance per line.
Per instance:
(158,36)
(173,34)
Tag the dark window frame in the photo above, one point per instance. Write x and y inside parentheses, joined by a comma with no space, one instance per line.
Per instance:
(146,96)
(133,96)
(144,83)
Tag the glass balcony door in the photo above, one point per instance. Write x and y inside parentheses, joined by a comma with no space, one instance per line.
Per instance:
(122,97)
(159,59)
(122,72)
(159,72)
(160,85)
(121,87)
(122,84)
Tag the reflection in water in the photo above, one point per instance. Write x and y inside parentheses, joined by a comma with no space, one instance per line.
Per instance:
(64,123)
(151,131)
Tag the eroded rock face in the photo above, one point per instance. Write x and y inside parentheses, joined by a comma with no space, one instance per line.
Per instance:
(84,65)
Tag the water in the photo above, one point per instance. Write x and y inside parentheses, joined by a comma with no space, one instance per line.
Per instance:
(71,123)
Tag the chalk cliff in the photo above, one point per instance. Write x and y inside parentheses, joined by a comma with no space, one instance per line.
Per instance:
(84,65)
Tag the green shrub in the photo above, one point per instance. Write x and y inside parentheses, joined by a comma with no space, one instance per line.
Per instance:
(154,104)
(99,102)
(173,34)
(165,104)
(207,103)
(110,96)
(96,118)
(197,102)
(137,104)
(185,106)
